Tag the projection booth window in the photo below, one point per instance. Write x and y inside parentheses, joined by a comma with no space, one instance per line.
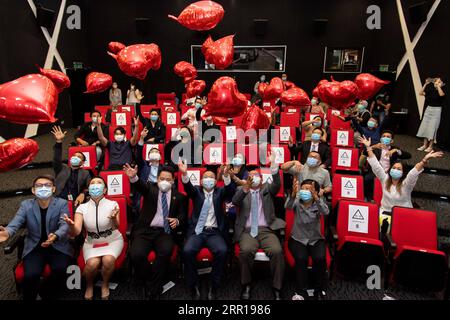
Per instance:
(344,60)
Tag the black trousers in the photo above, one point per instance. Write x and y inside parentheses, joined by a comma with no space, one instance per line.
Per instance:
(160,242)
(301,255)
(215,242)
(34,264)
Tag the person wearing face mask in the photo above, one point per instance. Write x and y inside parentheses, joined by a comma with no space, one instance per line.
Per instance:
(71,180)
(193,115)
(315,144)
(156,130)
(208,124)
(134,95)
(387,154)
(207,227)
(115,95)
(359,113)
(397,186)
(185,147)
(87,134)
(316,107)
(311,170)
(120,150)
(255,228)
(47,238)
(379,106)
(310,125)
(164,211)
(100,218)
(306,239)
(373,130)
(434,101)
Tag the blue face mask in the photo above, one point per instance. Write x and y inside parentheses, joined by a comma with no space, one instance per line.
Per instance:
(385,140)
(43,192)
(96,190)
(395,174)
(361,107)
(312,162)
(154,117)
(371,124)
(237,162)
(75,161)
(315,137)
(304,195)
(198,105)
(208,183)
(317,123)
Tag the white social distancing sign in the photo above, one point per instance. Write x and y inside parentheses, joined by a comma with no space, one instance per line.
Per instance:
(348,187)
(345,158)
(115,184)
(358,219)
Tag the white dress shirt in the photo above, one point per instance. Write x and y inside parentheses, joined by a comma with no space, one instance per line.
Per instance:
(261,217)
(158,219)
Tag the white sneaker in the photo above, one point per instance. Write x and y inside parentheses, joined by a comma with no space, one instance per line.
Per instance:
(421,148)
(297,297)
(429,149)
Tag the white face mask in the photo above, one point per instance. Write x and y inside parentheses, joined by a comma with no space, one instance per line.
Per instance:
(119,137)
(154,156)
(256,181)
(164,185)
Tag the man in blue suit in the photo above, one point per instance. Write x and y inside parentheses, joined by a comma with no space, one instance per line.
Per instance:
(47,241)
(208,227)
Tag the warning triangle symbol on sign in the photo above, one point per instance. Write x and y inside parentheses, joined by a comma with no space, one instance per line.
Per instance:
(358,215)
(120,117)
(348,185)
(342,135)
(171,117)
(269,180)
(115,182)
(344,155)
(285,131)
(214,153)
(193,178)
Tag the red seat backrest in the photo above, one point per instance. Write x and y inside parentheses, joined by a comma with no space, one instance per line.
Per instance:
(346,159)
(130,109)
(357,219)
(170,118)
(103,110)
(347,187)
(283,132)
(90,154)
(251,153)
(195,175)
(118,184)
(342,138)
(336,123)
(377,191)
(148,146)
(331,112)
(121,118)
(147,108)
(414,227)
(288,119)
(87,117)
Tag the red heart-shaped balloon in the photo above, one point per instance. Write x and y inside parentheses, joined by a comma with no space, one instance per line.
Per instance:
(262,87)
(115,47)
(295,97)
(136,60)
(368,85)
(201,15)
(60,79)
(274,89)
(98,82)
(225,100)
(16,153)
(185,70)
(288,85)
(195,88)
(337,94)
(255,118)
(220,52)
(29,99)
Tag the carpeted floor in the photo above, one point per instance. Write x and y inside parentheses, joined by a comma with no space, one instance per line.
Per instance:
(338,289)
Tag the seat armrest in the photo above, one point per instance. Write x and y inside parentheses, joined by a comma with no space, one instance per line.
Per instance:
(391,243)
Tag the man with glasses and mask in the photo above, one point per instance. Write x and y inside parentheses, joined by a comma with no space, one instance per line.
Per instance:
(47,240)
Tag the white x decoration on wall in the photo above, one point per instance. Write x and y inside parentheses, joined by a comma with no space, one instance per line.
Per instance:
(52,52)
(409,54)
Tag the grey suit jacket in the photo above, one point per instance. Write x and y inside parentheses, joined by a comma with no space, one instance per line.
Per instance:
(243,201)
(29,216)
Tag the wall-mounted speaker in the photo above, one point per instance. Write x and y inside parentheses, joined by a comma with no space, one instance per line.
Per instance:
(319,26)
(45,17)
(418,12)
(260,26)
(142,26)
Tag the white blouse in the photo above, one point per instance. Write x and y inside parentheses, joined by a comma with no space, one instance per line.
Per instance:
(392,198)
(97,219)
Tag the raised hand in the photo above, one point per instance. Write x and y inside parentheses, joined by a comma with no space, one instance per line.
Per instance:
(433,154)
(114,213)
(365,141)
(136,121)
(295,187)
(51,238)
(130,171)
(291,141)
(58,133)
(248,183)
(4,235)
(69,221)
(182,167)
(144,133)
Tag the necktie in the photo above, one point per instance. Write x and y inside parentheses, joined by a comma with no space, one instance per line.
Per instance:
(203,215)
(165,211)
(254,215)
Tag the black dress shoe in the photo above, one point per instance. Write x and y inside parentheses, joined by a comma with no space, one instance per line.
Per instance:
(245,294)
(276,294)
(195,292)
(212,293)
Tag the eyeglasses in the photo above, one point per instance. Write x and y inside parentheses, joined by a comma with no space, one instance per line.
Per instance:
(40,185)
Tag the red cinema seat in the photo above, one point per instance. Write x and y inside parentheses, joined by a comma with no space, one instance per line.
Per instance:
(121,118)
(165,99)
(148,146)
(118,184)
(347,187)
(290,119)
(128,132)
(103,111)
(130,109)
(377,191)
(87,117)
(251,153)
(269,103)
(237,121)
(89,153)
(344,159)
(123,226)
(214,154)
(310,116)
(171,133)
(333,112)
(248,96)
(414,253)
(342,138)
(337,123)
(147,108)
(282,153)
(292,109)
(290,218)
(357,239)
(170,118)
(283,133)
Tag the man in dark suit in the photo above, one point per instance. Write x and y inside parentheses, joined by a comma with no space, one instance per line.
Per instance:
(163,212)
(316,144)
(387,154)
(208,226)
(71,180)
(255,225)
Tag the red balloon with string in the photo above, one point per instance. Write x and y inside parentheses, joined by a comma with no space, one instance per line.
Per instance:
(200,15)
(16,153)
